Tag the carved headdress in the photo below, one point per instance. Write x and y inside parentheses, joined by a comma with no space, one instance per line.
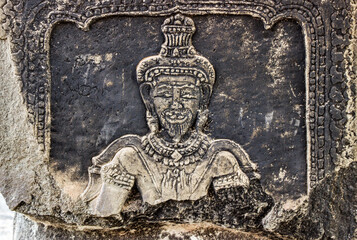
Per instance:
(177,56)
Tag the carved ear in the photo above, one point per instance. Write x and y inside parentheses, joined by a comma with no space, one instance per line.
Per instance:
(151,118)
(145,89)
(206,95)
(202,119)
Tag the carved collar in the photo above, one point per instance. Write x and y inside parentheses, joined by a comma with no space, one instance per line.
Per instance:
(180,154)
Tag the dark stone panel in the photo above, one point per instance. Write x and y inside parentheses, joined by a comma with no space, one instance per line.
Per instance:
(258,98)
(95,98)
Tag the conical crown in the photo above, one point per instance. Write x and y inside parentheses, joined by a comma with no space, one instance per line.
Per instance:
(177,56)
(178,31)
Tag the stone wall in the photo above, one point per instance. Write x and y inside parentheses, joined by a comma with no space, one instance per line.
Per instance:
(47,200)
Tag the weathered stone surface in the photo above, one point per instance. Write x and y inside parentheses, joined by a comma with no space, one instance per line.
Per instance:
(19,149)
(330,212)
(236,207)
(6,220)
(27,229)
(260,108)
(285,91)
(2,20)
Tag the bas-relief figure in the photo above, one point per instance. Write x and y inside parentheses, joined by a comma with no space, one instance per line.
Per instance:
(176,160)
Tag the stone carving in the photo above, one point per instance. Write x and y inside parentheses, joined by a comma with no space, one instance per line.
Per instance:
(176,160)
(329,75)
(326,94)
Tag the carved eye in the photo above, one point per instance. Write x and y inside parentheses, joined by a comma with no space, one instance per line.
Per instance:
(163,91)
(164,94)
(188,94)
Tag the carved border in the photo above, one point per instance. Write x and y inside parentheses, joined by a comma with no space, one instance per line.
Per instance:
(339,91)
(325,87)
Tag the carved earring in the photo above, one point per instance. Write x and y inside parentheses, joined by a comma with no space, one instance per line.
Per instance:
(152,122)
(202,118)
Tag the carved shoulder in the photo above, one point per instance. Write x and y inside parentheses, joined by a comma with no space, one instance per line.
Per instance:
(227,172)
(112,164)
(228,151)
(126,159)
(224,163)
(109,153)
(119,170)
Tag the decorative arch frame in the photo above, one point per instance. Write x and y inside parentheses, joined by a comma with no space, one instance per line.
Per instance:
(325,35)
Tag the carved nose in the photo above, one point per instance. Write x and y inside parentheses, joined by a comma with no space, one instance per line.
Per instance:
(176,105)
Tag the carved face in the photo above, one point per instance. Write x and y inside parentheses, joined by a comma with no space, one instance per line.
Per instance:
(176,101)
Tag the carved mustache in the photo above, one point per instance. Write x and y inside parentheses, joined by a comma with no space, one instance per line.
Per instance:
(177,116)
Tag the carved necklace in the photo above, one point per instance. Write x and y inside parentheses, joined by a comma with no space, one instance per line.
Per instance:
(176,154)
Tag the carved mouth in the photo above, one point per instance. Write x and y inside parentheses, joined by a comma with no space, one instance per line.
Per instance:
(176,116)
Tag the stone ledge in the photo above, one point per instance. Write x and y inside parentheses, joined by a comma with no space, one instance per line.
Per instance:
(27,229)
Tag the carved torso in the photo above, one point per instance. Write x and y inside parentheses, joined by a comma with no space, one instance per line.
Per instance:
(184,174)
